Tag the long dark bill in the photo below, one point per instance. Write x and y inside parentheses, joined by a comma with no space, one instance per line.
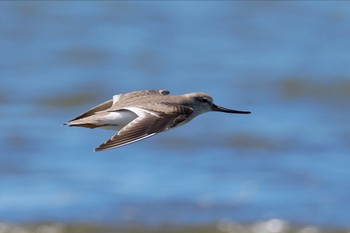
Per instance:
(222,109)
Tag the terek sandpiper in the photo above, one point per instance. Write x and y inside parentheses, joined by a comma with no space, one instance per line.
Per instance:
(142,114)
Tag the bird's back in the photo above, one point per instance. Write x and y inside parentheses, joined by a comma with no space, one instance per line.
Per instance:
(137,98)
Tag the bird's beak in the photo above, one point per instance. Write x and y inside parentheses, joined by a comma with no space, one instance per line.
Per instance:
(222,109)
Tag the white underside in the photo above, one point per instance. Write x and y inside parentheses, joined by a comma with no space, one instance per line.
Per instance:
(141,112)
(112,127)
(117,120)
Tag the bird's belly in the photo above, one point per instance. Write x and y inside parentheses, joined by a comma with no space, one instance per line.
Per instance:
(112,127)
(117,120)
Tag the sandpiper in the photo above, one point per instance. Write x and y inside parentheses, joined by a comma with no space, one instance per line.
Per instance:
(142,114)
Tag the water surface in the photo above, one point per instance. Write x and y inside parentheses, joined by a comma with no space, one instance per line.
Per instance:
(287,62)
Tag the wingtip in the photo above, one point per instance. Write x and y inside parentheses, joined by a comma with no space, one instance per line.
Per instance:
(97,150)
(67,123)
(101,148)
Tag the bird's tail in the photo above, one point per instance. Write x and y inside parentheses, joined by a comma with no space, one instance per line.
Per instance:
(82,124)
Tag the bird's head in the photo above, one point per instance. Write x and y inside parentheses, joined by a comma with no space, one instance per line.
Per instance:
(201,103)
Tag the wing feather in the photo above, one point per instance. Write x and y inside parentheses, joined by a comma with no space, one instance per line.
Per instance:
(127,99)
(145,126)
(92,111)
(119,101)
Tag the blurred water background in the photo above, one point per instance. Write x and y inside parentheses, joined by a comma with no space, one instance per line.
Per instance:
(287,62)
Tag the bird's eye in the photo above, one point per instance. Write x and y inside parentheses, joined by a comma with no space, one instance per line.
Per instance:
(205,100)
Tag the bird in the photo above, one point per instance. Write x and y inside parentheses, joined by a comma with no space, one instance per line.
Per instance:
(141,114)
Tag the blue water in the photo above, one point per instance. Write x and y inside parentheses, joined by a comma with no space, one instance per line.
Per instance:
(287,62)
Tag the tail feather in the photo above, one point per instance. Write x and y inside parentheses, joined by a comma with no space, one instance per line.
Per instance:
(86,125)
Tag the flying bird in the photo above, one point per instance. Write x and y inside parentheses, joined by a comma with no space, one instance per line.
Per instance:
(142,114)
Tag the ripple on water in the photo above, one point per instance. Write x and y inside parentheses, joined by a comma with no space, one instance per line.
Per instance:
(335,90)
(77,97)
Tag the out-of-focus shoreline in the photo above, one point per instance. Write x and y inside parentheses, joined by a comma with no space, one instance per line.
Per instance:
(271,226)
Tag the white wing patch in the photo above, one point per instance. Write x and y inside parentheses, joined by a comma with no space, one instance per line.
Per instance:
(142,112)
(116,98)
(119,118)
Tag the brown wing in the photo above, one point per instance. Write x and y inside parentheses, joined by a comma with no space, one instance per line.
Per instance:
(90,112)
(138,94)
(144,127)
(131,98)
(125,98)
